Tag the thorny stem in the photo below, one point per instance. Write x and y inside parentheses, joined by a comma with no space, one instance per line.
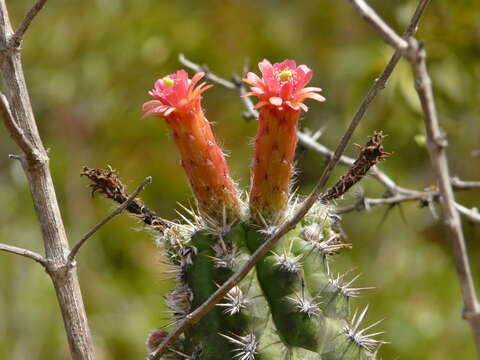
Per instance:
(118,210)
(216,297)
(378,174)
(436,145)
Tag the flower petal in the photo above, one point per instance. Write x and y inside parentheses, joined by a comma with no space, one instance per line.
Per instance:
(275,100)
(315,96)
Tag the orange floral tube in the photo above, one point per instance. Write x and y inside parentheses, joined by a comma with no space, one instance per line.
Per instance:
(177,99)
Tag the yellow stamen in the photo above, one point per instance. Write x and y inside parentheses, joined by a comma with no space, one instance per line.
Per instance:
(167,81)
(285,75)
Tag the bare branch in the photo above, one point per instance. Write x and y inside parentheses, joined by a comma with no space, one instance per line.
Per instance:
(471,214)
(25,253)
(427,197)
(388,34)
(436,144)
(211,76)
(17,37)
(118,210)
(366,203)
(464,185)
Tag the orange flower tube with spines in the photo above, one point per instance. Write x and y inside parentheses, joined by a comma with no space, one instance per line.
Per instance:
(281,94)
(177,99)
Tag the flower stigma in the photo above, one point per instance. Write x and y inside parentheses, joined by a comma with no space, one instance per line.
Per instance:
(285,75)
(168,81)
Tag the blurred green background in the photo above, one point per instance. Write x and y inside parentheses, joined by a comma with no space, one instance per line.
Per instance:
(89,65)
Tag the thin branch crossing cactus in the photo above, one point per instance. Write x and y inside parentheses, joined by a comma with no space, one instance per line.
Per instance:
(292,305)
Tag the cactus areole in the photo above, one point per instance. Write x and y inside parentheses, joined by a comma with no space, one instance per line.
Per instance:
(291,306)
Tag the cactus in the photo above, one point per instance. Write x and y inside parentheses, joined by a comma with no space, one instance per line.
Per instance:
(291,306)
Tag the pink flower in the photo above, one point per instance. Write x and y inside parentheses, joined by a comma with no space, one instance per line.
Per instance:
(175,93)
(282,84)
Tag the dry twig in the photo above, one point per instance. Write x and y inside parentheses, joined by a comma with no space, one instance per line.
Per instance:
(107,183)
(118,210)
(370,154)
(25,253)
(17,37)
(459,184)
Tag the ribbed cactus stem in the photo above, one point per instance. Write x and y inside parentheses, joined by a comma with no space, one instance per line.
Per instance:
(273,163)
(200,277)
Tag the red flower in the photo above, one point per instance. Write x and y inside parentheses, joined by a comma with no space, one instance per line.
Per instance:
(177,100)
(281,92)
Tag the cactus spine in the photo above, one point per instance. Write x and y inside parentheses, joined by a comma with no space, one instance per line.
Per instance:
(291,306)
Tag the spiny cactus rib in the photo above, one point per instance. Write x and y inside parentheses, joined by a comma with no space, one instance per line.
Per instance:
(279,285)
